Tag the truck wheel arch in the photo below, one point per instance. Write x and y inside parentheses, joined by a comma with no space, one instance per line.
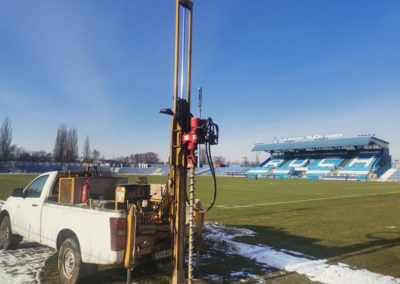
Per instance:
(63,235)
(3,214)
(14,239)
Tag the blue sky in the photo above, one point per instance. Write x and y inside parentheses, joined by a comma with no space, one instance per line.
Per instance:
(272,68)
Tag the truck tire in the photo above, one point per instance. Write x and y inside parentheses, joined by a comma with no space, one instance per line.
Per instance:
(7,239)
(69,261)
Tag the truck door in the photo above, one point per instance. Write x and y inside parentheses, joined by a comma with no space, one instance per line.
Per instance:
(29,214)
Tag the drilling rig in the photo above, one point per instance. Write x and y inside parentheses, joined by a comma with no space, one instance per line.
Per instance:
(187,132)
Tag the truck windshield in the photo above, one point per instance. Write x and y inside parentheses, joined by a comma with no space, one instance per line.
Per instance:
(35,188)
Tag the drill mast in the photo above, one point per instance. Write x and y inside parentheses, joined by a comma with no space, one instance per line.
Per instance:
(179,125)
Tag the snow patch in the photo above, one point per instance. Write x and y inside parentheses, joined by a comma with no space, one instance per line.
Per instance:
(24,264)
(213,277)
(223,239)
(248,276)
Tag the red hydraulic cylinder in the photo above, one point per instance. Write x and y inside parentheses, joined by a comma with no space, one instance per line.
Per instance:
(196,135)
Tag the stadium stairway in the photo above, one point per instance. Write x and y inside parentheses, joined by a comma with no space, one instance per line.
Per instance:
(345,161)
(203,171)
(387,174)
(395,176)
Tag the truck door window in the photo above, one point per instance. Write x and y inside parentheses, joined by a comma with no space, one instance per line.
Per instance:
(53,196)
(35,188)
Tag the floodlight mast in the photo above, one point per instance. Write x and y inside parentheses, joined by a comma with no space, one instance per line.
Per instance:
(180,124)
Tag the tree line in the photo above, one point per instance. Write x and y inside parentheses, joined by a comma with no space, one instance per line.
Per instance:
(65,149)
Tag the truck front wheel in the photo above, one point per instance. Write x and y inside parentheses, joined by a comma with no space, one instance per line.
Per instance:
(7,239)
(69,261)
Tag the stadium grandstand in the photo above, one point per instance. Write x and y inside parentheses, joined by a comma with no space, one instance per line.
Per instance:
(159,169)
(143,169)
(362,158)
(41,167)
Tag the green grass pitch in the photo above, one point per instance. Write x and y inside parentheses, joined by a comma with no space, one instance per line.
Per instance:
(356,223)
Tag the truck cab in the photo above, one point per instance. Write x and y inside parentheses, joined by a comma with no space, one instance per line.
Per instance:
(24,206)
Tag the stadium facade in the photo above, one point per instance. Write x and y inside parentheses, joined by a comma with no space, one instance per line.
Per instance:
(324,157)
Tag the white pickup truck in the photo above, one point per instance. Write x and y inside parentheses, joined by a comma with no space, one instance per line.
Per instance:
(83,237)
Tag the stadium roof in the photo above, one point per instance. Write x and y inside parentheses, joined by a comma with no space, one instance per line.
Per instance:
(355,142)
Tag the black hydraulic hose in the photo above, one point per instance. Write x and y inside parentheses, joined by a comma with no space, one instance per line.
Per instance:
(210,161)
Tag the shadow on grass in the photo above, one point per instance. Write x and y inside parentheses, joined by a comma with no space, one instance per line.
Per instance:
(281,239)
(218,267)
(142,274)
(214,267)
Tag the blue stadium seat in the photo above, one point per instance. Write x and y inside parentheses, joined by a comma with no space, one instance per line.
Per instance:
(360,166)
(318,168)
(273,163)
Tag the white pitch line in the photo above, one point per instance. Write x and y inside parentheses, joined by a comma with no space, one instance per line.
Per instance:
(302,200)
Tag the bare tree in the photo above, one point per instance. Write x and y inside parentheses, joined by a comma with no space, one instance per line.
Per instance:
(66,146)
(86,150)
(20,154)
(5,139)
(95,155)
(136,159)
(151,158)
(60,147)
(71,153)
(17,152)
(40,156)
(147,158)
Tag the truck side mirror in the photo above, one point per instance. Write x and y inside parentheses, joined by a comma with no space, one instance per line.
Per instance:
(17,192)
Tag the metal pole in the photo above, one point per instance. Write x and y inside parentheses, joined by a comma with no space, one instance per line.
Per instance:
(183,52)
(128,276)
(200,100)
(200,91)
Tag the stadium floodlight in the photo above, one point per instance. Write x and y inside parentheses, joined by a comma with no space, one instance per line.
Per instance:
(200,91)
